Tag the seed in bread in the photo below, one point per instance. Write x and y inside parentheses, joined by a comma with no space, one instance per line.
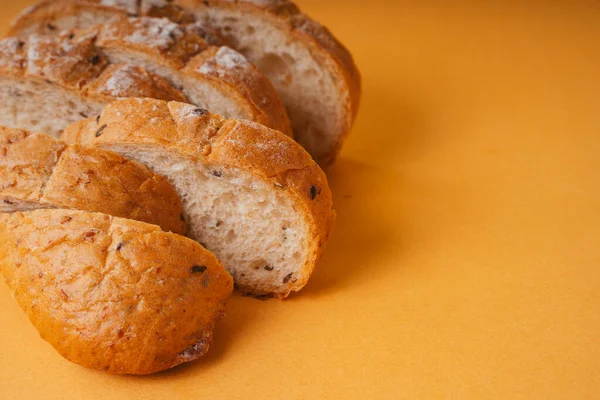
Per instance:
(38,171)
(112,294)
(314,74)
(217,78)
(48,82)
(250,194)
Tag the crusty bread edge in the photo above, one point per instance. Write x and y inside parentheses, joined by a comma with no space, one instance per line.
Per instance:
(295,172)
(192,353)
(168,219)
(283,13)
(15,65)
(251,88)
(321,43)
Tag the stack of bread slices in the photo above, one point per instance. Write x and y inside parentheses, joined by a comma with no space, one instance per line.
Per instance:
(156,154)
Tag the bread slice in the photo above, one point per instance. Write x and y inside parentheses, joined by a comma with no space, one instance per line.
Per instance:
(48,82)
(250,194)
(110,293)
(37,171)
(217,78)
(143,57)
(313,73)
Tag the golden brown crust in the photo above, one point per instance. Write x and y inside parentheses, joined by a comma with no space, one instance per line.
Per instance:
(41,14)
(42,172)
(26,164)
(173,46)
(113,294)
(288,167)
(166,41)
(225,66)
(124,80)
(318,39)
(214,140)
(312,31)
(305,29)
(169,44)
(283,13)
(73,62)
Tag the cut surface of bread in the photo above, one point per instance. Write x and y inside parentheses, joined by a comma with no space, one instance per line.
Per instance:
(216,78)
(48,82)
(313,72)
(250,194)
(38,171)
(110,293)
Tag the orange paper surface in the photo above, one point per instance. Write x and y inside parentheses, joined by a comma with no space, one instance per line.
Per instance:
(465,262)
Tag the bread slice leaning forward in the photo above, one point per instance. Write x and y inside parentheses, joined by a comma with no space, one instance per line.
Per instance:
(110,293)
(129,57)
(314,74)
(48,82)
(38,171)
(216,78)
(250,194)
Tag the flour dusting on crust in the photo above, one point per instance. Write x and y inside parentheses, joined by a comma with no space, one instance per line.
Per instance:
(33,52)
(10,57)
(230,59)
(224,59)
(159,33)
(123,81)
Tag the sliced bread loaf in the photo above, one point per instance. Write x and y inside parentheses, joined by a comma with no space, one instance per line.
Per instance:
(48,82)
(110,293)
(250,194)
(187,68)
(216,78)
(37,171)
(313,73)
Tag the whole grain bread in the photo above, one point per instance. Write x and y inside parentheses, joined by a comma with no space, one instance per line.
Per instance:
(250,194)
(112,294)
(38,171)
(48,82)
(314,74)
(216,78)
(141,57)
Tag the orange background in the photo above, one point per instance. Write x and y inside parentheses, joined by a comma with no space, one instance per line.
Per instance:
(466,259)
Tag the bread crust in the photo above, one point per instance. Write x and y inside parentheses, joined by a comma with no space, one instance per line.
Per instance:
(73,62)
(42,172)
(213,140)
(282,13)
(113,294)
(318,39)
(167,44)
(223,68)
